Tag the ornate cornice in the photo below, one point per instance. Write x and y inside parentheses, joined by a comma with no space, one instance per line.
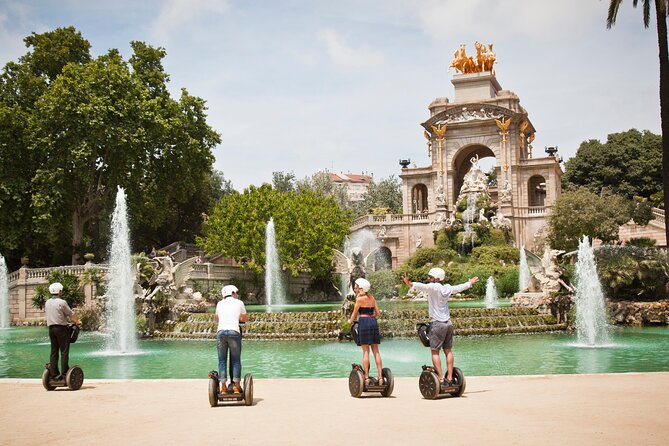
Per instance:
(460,114)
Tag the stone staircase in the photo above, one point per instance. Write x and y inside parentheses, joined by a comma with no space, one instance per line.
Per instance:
(392,323)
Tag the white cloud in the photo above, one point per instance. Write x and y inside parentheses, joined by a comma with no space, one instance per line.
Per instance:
(177,14)
(346,56)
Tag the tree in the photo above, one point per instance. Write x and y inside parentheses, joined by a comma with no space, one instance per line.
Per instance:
(321,183)
(387,193)
(661,11)
(628,164)
(581,212)
(95,124)
(308,227)
(283,182)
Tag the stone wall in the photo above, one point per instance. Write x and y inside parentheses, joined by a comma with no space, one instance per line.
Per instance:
(639,313)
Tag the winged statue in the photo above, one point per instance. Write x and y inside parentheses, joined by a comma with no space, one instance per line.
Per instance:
(546,273)
(168,277)
(354,266)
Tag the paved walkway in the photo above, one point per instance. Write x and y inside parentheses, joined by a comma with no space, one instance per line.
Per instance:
(614,409)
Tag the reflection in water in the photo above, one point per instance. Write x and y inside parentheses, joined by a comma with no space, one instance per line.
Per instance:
(23,351)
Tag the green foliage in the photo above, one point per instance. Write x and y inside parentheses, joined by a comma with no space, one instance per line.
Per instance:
(94,276)
(283,182)
(90,316)
(495,254)
(581,213)
(308,227)
(431,256)
(384,283)
(84,126)
(642,242)
(385,194)
(72,292)
(631,272)
(141,324)
(628,164)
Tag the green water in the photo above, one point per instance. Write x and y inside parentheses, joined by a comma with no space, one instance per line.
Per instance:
(23,351)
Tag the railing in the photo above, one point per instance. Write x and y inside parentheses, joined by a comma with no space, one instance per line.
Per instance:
(536,210)
(378,220)
(659,215)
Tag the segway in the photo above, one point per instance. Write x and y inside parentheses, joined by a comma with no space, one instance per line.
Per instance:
(428,382)
(74,378)
(356,379)
(215,395)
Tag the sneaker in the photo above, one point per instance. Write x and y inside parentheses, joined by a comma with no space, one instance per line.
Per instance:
(237,388)
(447,383)
(224,387)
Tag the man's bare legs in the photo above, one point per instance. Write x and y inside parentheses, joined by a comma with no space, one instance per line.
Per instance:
(436,361)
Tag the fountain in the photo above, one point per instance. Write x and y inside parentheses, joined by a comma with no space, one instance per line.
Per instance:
(359,255)
(120,304)
(592,328)
(275,293)
(524,273)
(490,293)
(4,295)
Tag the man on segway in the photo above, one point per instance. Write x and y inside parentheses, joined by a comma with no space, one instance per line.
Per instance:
(58,314)
(441,328)
(230,311)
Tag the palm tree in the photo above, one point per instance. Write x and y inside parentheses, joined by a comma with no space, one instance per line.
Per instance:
(661,10)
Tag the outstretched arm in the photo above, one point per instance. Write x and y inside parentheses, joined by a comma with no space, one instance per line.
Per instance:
(406,280)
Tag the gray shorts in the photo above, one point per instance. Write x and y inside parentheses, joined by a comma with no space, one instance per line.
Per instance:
(441,335)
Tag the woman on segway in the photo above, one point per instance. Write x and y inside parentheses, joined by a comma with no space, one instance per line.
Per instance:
(368,328)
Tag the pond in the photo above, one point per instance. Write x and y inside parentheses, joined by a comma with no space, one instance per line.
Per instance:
(23,351)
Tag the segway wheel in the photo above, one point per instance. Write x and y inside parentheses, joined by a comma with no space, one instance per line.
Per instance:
(74,378)
(45,381)
(389,382)
(459,380)
(356,383)
(248,389)
(213,392)
(428,383)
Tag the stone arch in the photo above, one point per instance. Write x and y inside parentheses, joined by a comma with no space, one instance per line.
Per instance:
(462,164)
(536,191)
(383,259)
(419,196)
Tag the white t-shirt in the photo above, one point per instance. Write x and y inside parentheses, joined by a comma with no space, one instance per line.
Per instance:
(228,311)
(438,295)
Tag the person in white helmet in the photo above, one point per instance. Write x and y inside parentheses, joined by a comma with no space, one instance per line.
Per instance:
(230,311)
(58,314)
(441,328)
(368,328)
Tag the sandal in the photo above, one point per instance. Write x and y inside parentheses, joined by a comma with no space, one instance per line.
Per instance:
(368,381)
(380,381)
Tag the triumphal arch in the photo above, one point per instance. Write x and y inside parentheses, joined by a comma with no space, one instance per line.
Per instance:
(482,121)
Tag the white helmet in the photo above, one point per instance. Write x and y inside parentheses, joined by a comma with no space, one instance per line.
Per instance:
(437,273)
(363,284)
(55,288)
(228,290)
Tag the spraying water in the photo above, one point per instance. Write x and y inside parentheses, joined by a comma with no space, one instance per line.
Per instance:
(274,290)
(361,244)
(524,273)
(120,310)
(490,293)
(4,294)
(592,328)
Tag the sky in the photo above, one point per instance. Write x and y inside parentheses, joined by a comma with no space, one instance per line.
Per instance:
(306,85)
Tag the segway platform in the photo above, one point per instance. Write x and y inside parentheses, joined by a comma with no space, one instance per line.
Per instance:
(430,386)
(73,380)
(215,394)
(356,382)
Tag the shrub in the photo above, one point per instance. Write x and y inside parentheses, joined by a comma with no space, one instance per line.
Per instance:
(90,316)
(431,256)
(384,284)
(72,292)
(494,254)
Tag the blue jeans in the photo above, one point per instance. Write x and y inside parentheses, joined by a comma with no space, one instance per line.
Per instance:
(229,339)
